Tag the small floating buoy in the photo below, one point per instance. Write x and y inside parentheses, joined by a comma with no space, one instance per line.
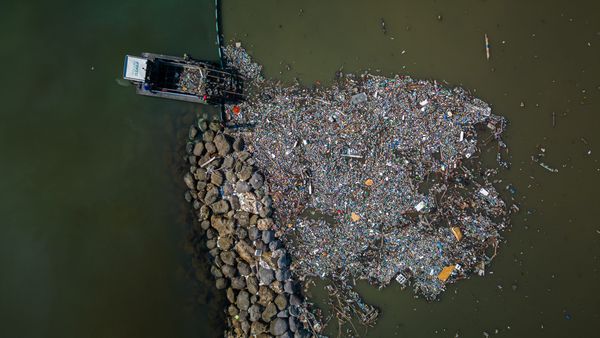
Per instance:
(236,110)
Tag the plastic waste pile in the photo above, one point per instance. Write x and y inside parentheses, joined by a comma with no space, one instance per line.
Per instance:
(191,80)
(377,178)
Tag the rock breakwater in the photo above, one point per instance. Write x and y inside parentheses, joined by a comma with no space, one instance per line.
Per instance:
(249,262)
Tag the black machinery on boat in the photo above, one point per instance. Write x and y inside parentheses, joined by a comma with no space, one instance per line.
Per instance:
(183,79)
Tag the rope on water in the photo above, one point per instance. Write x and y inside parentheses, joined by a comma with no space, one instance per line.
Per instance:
(220,48)
(219,41)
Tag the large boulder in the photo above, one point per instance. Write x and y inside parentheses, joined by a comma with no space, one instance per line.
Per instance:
(220,207)
(198,149)
(230,295)
(242,187)
(223,144)
(201,187)
(254,220)
(216,272)
(227,189)
(232,310)
(277,286)
(289,287)
(210,148)
(228,271)
(208,136)
(221,283)
(254,313)
(252,285)
(241,232)
(244,269)
(189,181)
(279,326)
(258,327)
(287,334)
(281,301)
(228,162)
(246,327)
(243,155)
(225,242)
(224,226)
(268,236)
(216,178)
(265,276)
(200,174)
(204,213)
(230,176)
(204,225)
(245,173)
(235,203)
(238,283)
(254,234)
(242,217)
(269,312)
(211,244)
(243,300)
(228,257)
(212,194)
(265,295)
(293,323)
(245,251)
(193,132)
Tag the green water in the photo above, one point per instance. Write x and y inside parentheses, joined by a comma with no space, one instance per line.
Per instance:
(92,215)
(539,56)
(92,221)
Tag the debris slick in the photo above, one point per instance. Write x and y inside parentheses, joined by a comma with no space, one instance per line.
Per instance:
(376,177)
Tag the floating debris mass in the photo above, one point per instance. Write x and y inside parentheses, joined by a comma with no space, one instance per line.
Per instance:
(392,161)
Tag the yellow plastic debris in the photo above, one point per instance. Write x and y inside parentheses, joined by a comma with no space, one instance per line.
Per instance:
(369,182)
(446,272)
(354,217)
(457,233)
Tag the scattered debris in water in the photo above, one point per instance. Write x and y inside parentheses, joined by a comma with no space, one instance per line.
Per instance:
(429,212)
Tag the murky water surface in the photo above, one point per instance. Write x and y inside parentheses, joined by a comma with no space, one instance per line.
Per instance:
(92,220)
(545,282)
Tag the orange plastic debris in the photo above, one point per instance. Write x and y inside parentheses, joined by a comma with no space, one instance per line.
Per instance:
(457,233)
(236,110)
(354,217)
(369,182)
(446,272)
